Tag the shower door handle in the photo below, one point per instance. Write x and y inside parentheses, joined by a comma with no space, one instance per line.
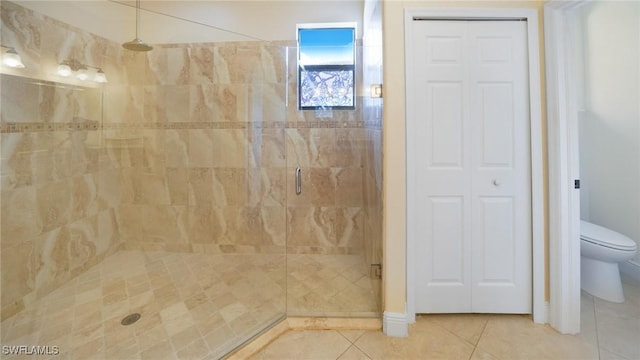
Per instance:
(298,181)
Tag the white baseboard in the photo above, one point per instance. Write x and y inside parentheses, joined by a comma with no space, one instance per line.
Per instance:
(632,269)
(395,324)
(542,315)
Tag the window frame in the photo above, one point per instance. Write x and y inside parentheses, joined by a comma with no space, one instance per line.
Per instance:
(327,67)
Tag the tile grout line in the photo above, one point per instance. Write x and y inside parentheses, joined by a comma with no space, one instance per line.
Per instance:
(475,346)
(349,340)
(595,319)
(461,338)
(353,344)
(362,350)
(345,350)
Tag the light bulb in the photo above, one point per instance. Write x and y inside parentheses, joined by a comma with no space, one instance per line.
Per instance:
(12,59)
(100,77)
(63,69)
(83,73)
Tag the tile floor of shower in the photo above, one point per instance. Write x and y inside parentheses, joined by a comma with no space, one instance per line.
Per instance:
(193,306)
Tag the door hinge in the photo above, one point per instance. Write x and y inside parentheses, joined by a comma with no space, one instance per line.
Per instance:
(376,271)
(576,184)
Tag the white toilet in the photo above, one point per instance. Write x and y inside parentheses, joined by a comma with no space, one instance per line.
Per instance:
(601,250)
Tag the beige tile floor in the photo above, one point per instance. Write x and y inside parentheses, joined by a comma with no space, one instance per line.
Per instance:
(609,331)
(193,306)
(330,285)
(199,306)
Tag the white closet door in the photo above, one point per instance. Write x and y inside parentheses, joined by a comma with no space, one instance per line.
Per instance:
(469,167)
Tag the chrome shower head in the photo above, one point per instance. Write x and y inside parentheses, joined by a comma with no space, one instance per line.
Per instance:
(137,45)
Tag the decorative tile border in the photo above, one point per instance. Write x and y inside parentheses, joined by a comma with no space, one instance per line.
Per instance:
(236,125)
(242,249)
(322,250)
(29,127)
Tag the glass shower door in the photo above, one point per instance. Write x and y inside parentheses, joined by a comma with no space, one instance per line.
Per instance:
(158,194)
(328,245)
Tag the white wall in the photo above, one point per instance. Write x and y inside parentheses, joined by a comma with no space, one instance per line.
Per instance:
(211,20)
(610,123)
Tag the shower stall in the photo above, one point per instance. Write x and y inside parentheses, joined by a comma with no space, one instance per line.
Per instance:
(156,215)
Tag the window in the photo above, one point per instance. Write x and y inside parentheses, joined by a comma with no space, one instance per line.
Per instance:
(326,66)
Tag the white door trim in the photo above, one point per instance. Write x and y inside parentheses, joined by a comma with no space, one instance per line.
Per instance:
(564,200)
(537,171)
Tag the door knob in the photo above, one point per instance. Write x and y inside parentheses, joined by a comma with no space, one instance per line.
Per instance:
(496,182)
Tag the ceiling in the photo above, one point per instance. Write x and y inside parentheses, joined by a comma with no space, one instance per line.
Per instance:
(177,21)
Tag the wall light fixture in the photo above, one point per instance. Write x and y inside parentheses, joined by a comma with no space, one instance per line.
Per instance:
(11,58)
(81,71)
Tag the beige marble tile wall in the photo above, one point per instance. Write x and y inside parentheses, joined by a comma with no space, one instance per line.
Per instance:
(202,127)
(328,217)
(174,169)
(59,188)
(216,118)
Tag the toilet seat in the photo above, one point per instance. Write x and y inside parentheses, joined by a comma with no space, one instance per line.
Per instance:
(602,236)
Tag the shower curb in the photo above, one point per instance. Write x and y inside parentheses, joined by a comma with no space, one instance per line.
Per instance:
(302,323)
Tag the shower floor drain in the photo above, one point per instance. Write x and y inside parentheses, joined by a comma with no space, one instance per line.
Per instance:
(130,319)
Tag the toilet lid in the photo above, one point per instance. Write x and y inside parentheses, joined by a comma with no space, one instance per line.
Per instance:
(605,237)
